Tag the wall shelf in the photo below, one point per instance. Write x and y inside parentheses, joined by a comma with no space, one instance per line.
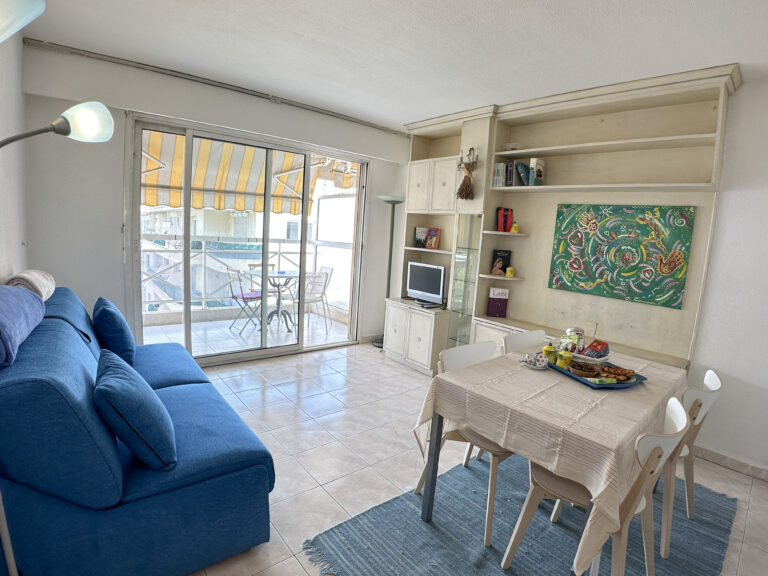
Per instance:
(660,143)
(661,187)
(429,250)
(497,233)
(497,277)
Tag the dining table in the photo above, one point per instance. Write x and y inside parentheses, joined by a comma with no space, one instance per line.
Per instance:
(583,434)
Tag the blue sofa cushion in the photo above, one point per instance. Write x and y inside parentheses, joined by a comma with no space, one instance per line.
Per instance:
(51,436)
(167,364)
(65,305)
(20,311)
(211,440)
(112,330)
(134,413)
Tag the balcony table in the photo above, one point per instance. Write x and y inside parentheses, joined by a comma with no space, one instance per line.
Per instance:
(572,430)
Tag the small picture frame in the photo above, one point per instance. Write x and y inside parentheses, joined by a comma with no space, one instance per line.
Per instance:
(500,262)
(433,239)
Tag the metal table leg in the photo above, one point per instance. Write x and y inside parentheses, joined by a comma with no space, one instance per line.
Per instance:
(435,435)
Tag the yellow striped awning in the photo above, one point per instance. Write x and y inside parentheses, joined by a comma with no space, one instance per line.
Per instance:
(229,176)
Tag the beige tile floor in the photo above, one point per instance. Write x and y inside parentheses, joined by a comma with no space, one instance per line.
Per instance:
(339,426)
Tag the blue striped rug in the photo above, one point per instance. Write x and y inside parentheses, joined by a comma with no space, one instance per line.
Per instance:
(391,539)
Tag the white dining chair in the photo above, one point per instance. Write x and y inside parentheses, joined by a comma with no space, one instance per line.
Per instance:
(522,341)
(697,402)
(453,359)
(652,451)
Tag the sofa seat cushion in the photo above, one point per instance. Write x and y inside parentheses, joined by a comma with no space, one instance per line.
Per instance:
(134,413)
(66,306)
(211,440)
(113,331)
(168,364)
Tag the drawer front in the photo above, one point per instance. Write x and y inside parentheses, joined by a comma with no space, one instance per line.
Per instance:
(443,198)
(419,344)
(483,332)
(418,186)
(395,321)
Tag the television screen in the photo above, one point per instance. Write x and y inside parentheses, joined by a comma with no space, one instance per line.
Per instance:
(425,282)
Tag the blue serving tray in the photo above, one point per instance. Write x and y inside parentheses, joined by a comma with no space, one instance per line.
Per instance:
(618,386)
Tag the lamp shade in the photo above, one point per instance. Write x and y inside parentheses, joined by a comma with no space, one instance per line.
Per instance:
(89,122)
(15,14)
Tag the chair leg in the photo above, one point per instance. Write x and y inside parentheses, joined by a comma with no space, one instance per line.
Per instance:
(619,550)
(556,511)
(648,540)
(688,469)
(423,477)
(325,316)
(667,508)
(491,499)
(468,454)
(535,495)
(480,453)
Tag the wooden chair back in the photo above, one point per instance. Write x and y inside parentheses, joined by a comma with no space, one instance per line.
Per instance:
(467,355)
(705,396)
(652,451)
(520,341)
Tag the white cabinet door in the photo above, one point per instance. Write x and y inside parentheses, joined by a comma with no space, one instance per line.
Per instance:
(419,347)
(443,197)
(483,332)
(395,321)
(418,186)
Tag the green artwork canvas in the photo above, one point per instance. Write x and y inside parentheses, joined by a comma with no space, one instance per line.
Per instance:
(633,253)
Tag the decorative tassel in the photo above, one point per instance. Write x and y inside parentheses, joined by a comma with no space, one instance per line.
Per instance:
(465,189)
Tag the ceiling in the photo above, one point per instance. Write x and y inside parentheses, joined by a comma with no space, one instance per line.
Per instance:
(398,61)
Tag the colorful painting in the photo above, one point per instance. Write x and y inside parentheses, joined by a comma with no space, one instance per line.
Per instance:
(633,253)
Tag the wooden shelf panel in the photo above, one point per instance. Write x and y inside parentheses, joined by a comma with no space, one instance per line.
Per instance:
(497,277)
(663,142)
(497,233)
(430,250)
(661,187)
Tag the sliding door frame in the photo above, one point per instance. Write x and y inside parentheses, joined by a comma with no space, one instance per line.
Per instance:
(135,124)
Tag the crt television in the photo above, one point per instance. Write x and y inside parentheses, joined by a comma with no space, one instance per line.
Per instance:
(425,282)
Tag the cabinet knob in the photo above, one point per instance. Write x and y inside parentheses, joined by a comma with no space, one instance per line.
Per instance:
(443,183)
(418,184)
(394,330)
(418,338)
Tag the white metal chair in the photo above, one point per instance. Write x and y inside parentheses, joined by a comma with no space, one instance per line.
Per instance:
(652,451)
(697,402)
(315,285)
(453,359)
(248,299)
(521,341)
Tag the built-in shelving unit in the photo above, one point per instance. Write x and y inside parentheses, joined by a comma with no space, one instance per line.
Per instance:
(653,142)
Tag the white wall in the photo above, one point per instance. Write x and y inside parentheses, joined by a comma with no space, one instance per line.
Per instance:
(733,334)
(12,252)
(75,206)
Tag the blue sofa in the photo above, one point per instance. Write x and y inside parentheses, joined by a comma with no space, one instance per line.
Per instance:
(78,502)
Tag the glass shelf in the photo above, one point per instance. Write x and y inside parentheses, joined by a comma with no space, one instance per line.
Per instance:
(463,285)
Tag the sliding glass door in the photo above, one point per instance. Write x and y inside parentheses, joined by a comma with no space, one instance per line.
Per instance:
(230,245)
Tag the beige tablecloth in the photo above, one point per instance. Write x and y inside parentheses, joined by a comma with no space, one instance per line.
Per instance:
(576,432)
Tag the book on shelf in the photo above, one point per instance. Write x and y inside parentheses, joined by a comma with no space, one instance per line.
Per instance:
(433,238)
(522,171)
(499,169)
(504,219)
(501,260)
(420,236)
(536,177)
(497,302)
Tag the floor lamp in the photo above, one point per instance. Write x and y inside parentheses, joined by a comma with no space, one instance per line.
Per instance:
(392,201)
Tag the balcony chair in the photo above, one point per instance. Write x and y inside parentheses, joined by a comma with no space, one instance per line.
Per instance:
(248,299)
(453,359)
(651,451)
(697,401)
